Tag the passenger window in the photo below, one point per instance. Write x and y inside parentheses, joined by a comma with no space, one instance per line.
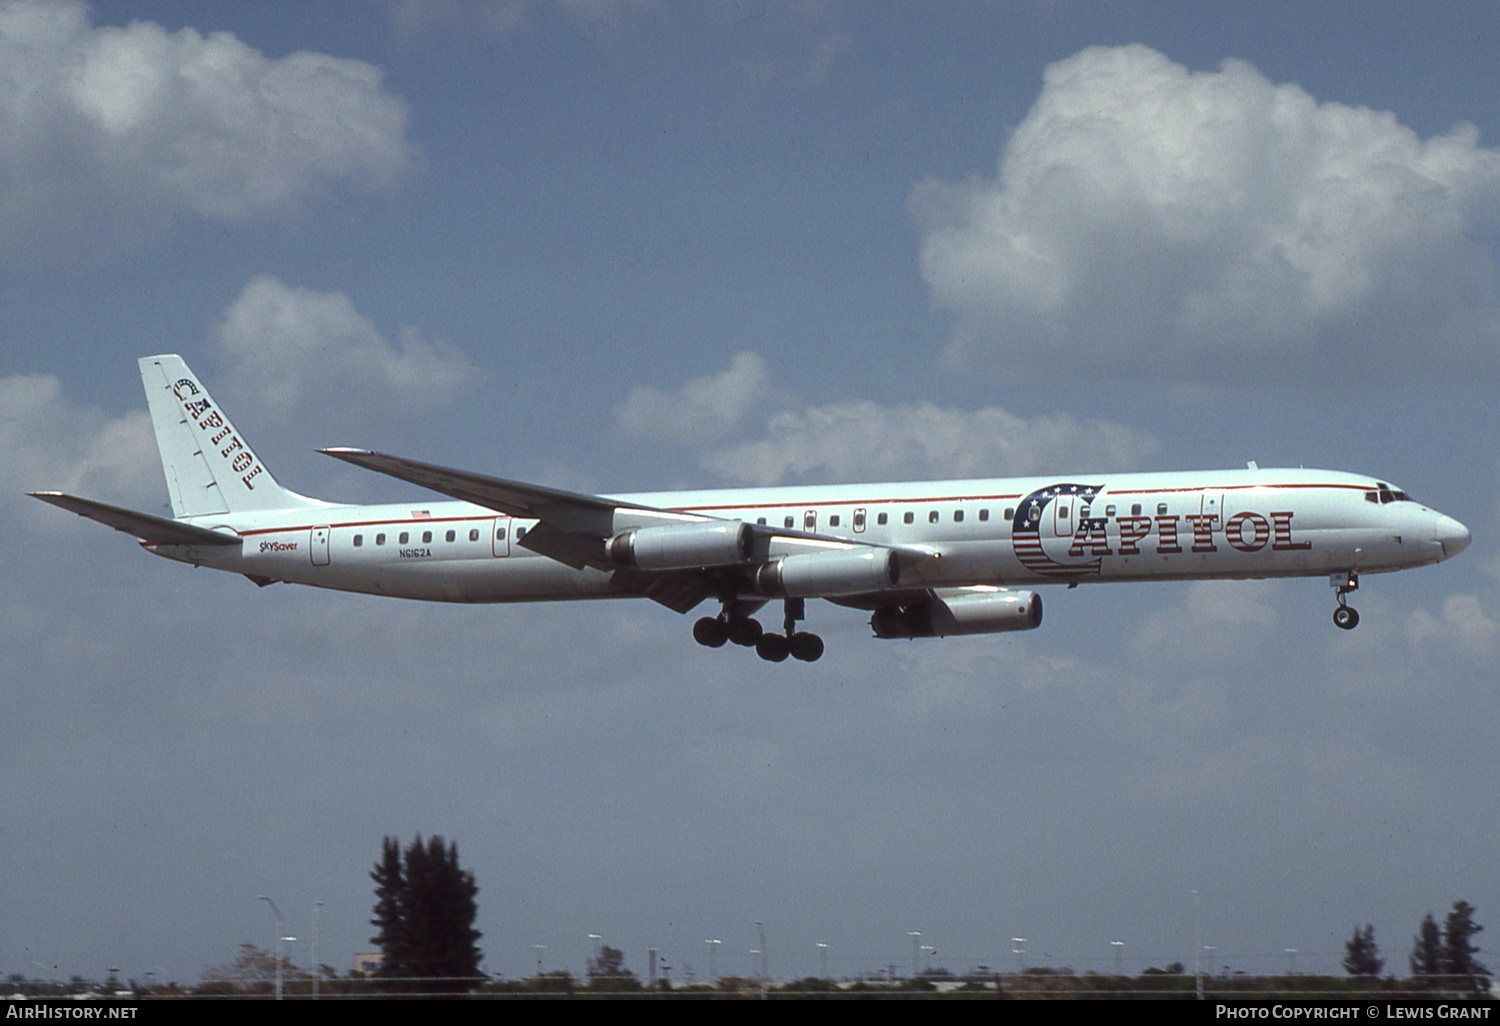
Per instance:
(1161,507)
(359,540)
(520,533)
(426,537)
(833,521)
(958,516)
(403,539)
(1010,512)
(909,517)
(380,539)
(761,521)
(810,520)
(859,520)
(789,522)
(932,517)
(882,519)
(1109,510)
(450,536)
(1135,509)
(984,514)
(499,534)
(474,534)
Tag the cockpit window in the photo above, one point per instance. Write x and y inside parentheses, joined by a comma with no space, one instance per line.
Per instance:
(1384,493)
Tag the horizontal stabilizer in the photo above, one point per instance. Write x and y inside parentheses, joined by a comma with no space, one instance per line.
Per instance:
(149,529)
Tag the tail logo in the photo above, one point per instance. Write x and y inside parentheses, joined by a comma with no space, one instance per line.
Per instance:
(218,433)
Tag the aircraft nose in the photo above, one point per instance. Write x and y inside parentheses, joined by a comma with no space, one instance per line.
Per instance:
(1451,535)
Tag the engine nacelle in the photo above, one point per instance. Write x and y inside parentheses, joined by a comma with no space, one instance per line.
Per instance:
(839,572)
(989,613)
(681,546)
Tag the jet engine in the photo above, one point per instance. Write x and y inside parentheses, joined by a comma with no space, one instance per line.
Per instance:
(681,546)
(839,572)
(987,613)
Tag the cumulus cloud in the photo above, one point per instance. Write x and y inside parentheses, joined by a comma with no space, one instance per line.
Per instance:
(861,440)
(292,348)
(106,133)
(705,409)
(1150,220)
(49,442)
(1216,622)
(1462,627)
(412,18)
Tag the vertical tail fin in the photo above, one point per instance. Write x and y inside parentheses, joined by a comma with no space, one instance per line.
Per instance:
(209,467)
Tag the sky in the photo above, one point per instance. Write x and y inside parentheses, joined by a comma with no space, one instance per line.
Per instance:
(621,246)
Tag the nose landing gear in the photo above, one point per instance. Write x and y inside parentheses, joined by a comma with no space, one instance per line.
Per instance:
(1345,616)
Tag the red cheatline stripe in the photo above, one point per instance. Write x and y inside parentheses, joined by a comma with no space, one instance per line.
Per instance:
(800,507)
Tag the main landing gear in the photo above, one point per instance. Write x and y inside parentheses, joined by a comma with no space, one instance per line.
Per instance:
(1345,615)
(731,625)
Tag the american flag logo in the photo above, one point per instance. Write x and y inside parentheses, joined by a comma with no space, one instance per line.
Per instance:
(1026,530)
(421,514)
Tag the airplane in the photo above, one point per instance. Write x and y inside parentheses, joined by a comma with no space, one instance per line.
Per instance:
(924,558)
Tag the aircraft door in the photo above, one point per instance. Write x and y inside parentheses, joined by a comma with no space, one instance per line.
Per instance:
(500,536)
(318,546)
(1062,516)
(1213,503)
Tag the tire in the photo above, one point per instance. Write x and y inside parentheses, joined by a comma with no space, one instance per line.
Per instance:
(806,647)
(710,632)
(745,631)
(1346,618)
(773,648)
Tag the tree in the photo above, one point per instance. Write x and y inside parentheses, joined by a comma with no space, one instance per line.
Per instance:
(1427,950)
(608,972)
(390,884)
(1361,956)
(1458,950)
(424,916)
(253,972)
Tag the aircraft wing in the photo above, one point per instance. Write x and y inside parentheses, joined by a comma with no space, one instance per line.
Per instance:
(513,498)
(572,527)
(149,529)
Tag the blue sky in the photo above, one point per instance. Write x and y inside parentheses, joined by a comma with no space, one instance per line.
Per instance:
(618,246)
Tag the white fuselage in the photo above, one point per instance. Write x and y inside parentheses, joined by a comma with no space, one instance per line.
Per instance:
(1002,532)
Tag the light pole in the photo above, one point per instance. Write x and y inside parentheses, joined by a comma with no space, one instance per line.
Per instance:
(1198,943)
(823,958)
(597,938)
(539,948)
(713,957)
(1119,947)
(765,959)
(1291,961)
(280,933)
(916,936)
(1020,952)
(317,967)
